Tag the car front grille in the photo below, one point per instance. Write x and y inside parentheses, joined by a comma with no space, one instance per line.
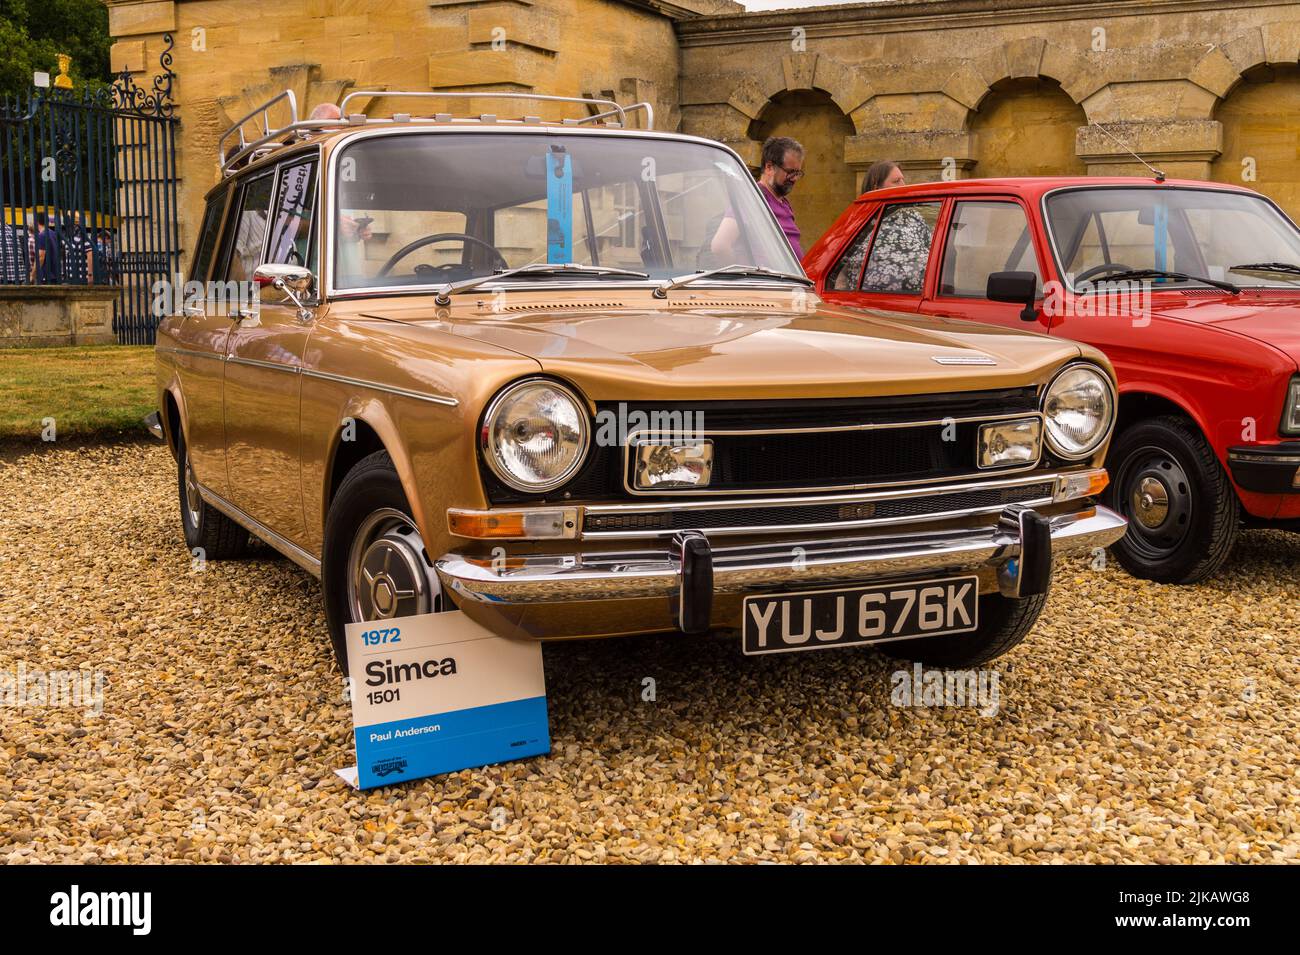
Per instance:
(804,444)
(792,515)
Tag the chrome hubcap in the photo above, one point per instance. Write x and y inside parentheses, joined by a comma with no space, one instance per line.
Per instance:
(387,574)
(1151,502)
(193,499)
(1157,495)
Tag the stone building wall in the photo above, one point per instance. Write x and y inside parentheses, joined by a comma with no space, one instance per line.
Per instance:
(232,55)
(1201,88)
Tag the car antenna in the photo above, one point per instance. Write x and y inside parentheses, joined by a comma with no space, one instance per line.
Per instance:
(1160,176)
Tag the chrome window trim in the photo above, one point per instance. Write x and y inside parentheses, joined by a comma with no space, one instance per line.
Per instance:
(1068,281)
(340,145)
(375,386)
(939,422)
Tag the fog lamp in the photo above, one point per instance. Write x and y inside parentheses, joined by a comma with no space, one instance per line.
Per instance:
(1009,443)
(664,466)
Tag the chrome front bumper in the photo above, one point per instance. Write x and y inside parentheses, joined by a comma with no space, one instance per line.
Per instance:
(692,586)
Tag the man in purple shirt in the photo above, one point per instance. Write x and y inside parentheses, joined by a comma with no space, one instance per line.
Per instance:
(782,168)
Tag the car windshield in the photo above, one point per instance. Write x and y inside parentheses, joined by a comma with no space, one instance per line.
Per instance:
(431,208)
(1105,231)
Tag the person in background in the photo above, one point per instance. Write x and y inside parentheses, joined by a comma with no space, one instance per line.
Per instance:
(106,263)
(902,244)
(78,264)
(882,175)
(45,259)
(782,159)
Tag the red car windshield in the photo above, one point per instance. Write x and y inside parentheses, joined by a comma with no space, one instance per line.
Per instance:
(1235,237)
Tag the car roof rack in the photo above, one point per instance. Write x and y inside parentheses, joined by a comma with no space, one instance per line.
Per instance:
(611,114)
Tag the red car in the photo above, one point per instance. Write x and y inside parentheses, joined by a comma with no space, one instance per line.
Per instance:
(1192,289)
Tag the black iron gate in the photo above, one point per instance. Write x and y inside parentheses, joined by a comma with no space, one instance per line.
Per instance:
(95,169)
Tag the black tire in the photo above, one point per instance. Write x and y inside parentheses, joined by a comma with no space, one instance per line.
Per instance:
(1003,623)
(206,529)
(372,488)
(1180,504)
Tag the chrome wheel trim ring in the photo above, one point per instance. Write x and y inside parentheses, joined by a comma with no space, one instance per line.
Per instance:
(193,499)
(387,576)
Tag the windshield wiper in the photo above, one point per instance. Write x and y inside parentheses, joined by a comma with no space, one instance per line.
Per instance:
(1266,267)
(1162,274)
(443,295)
(742,270)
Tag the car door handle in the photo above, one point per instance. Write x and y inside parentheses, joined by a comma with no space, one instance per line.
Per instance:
(192,311)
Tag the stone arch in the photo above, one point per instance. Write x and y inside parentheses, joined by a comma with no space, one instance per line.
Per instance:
(814,119)
(800,73)
(1026,127)
(1029,58)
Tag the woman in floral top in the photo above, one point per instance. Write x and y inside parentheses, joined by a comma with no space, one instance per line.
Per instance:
(902,243)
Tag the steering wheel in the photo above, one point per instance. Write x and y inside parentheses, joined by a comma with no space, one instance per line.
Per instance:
(421,242)
(1099,269)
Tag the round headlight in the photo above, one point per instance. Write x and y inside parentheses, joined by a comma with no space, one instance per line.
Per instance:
(535,435)
(1079,409)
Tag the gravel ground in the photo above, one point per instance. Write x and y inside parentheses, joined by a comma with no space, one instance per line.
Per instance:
(1138,723)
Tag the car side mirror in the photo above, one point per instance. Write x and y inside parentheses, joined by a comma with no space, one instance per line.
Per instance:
(1016,287)
(295,281)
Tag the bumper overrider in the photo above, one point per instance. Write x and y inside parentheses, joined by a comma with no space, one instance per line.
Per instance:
(690,583)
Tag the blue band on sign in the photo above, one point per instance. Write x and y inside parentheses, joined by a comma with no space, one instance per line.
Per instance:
(445,742)
(559,207)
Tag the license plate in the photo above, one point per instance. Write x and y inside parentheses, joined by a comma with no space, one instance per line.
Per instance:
(815,620)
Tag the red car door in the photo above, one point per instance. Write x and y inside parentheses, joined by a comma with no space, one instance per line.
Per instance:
(886,264)
(980,236)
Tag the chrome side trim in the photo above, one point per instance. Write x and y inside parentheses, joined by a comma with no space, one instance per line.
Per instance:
(192,352)
(258,363)
(375,386)
(939,422)
(285,546)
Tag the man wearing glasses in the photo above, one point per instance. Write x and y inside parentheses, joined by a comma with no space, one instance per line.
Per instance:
(782,168)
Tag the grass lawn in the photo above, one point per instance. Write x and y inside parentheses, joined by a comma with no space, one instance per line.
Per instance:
(93,391)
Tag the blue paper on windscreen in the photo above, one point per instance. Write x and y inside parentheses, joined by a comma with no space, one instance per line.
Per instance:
(559,208)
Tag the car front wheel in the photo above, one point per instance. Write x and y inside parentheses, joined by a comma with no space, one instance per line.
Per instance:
(1182,511)
(374,566)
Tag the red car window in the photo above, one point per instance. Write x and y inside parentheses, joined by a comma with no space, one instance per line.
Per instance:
(985,236)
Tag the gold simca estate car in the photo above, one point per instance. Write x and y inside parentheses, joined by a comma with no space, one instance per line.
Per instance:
(520,369)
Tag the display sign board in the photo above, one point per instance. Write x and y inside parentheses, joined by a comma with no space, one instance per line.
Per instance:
(437,693)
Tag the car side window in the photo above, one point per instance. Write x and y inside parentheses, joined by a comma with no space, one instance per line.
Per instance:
(208,234)
(295,207)
(901,249)
(248,229)
(985,237)
(844,276)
